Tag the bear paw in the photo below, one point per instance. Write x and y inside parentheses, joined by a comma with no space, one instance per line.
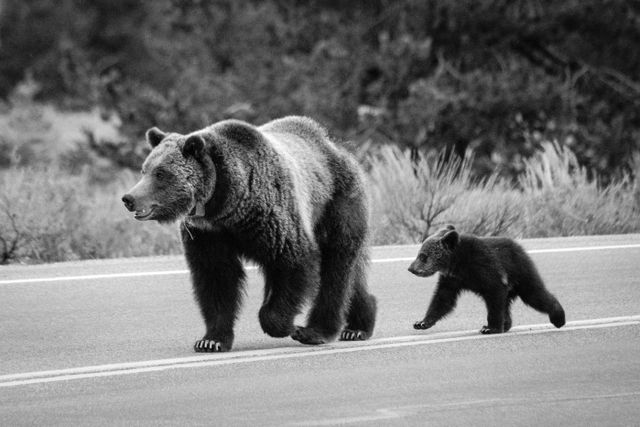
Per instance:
(210,346)
(487,330)
(310,336)
(275,324)
(353,335)
(422,324)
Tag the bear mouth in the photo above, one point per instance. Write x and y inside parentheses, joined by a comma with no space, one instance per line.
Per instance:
(144,214)
(422,273)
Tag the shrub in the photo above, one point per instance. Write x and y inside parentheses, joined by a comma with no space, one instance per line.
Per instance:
(51,215)
(563,200)
(556,196)
(413,196)
(54,216)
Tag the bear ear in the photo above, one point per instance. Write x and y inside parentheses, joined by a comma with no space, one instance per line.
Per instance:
(155,136)
(450,240)
(193,147)
(450,227)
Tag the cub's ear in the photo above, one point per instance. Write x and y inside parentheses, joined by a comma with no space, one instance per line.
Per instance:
(155,136)
(450,227)
(450,240)
(193,146)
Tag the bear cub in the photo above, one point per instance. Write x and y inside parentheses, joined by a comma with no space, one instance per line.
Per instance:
(495,268)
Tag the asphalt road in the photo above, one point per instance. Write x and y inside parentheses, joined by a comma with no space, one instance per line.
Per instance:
(109,343)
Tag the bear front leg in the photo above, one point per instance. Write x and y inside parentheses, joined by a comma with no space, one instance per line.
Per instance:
(443,302)
(218,277)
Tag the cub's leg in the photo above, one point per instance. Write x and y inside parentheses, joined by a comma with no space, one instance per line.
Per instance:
(443,302)
(361,315)
(218,277)
(533,293)
(507,313)
(285,292)
(496,302)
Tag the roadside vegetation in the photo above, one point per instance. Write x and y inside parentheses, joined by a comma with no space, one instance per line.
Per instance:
(453,108)
(55,212)
(554,196)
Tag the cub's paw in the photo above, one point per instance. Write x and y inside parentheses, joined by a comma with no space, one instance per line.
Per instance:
(310,336)
(487,330)
(421,324)
(353,335)
(210,346)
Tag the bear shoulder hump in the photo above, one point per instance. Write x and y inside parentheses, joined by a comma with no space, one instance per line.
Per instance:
(301,126)
(239,132)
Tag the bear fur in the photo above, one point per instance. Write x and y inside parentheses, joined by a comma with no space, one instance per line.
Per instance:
(495,268)
(281,195)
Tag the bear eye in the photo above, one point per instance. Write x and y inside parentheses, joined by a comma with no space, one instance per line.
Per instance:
(160,174)
(422,258)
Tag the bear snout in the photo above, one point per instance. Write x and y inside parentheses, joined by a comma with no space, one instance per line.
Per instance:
(129,202)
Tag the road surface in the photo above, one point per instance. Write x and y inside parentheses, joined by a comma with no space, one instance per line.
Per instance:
(109,343)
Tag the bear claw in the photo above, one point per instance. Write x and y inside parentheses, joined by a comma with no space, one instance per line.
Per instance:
(487,330)
(209,346)
(352,335)
(421,324)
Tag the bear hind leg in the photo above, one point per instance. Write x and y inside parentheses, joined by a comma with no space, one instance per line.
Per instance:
(535,295)
(361,315)
(328,311)
(345,227)
(285,292)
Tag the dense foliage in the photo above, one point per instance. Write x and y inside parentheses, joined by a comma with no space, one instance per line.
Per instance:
(496,76)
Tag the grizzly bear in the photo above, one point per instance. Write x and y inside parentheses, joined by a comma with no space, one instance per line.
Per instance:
(282,195)
(495,268)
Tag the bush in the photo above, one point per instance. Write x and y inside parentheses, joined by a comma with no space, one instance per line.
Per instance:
(49,215)
(563,200)
(555,197)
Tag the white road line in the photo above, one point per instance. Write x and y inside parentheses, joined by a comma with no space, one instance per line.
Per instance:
(179,272)
(582,249)
(130,368)
(93,277)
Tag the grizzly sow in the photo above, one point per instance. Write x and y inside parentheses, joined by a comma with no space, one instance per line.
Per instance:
(281,195)
(495,268)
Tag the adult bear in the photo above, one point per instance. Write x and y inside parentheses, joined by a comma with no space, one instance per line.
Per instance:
(282,195)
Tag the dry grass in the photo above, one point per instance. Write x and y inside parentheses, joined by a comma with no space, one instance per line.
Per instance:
(54,216)
(562,200)
(555,197)
(48,214)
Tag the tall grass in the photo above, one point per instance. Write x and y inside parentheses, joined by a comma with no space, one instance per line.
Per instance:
(51,215)
(555,196)
(413,197)
(562,200)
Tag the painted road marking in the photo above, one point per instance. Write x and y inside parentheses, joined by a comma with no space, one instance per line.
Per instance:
(179,272)
(129,368)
